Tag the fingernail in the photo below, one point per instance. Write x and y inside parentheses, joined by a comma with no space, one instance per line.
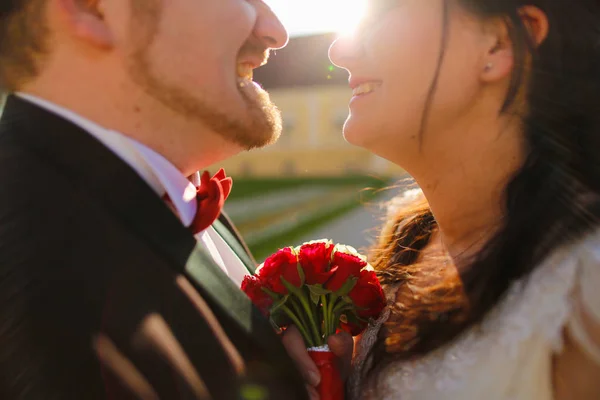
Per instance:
(314,378)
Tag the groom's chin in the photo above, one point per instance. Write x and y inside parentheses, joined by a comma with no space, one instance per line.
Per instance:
(265,128)
(257,140)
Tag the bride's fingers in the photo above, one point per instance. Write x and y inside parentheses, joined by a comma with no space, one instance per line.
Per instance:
(342,345)
(312,392)
(294,344)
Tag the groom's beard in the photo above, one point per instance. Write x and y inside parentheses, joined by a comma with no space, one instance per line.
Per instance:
(262,123)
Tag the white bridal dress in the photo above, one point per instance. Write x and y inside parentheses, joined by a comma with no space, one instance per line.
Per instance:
(509,355)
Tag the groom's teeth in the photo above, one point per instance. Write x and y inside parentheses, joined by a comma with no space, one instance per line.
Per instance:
(245,71)
(364,88)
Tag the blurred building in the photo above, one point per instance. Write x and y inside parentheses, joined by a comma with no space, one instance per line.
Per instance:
(313,97)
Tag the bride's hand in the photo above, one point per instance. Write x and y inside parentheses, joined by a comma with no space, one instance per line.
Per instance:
(340,344)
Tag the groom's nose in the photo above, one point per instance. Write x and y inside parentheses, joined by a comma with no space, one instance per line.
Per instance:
(268,29)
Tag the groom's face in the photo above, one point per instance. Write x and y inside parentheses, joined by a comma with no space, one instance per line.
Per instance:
(196,57)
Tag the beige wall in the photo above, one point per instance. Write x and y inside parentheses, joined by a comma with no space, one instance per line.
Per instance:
(311,143)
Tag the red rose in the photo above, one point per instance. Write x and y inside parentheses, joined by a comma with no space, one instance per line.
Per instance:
(252,286)
(283,264)
(347,266)
(368,295)
(315,260)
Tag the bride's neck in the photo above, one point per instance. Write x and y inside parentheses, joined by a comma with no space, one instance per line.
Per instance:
(466,190)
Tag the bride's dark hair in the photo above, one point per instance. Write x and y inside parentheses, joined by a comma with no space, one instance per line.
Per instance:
(551,201)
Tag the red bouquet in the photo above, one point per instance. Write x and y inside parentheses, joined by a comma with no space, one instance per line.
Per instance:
(321,288)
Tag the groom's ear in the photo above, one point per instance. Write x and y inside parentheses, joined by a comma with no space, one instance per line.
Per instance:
(87,21)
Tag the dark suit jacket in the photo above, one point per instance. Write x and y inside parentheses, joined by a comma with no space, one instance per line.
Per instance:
(103,292)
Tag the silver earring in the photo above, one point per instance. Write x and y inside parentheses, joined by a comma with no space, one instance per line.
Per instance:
(489,67)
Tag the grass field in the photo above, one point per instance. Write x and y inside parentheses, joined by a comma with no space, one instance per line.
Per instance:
(268,218)
(244,187)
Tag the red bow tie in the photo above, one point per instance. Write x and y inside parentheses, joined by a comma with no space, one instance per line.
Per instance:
(211,196)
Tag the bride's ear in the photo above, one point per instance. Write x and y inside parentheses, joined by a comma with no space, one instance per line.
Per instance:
(498,60)
(86,20)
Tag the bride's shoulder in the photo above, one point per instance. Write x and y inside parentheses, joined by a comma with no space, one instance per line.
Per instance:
(589,248)
(535,309)
(542,303)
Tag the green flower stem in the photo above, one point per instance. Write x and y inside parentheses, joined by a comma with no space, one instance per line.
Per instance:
(339,305)
(331,314)
(313,324)
(318,315)
(299,325)
(326,318)
(334,305)
(298,310)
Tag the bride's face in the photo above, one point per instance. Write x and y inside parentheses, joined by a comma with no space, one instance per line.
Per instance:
(393,63)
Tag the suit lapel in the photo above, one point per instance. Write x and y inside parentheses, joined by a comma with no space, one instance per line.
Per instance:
(216,286)
(236,244)
(206,274)
(100,175)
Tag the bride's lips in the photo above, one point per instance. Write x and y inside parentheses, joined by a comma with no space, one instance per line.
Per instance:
(362,87)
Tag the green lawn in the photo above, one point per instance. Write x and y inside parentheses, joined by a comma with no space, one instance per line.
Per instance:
(243,187)
(367,189)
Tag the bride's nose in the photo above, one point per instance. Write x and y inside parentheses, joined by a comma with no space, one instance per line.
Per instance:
(342,51)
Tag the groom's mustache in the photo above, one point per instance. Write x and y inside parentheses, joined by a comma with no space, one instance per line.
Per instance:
(255,51)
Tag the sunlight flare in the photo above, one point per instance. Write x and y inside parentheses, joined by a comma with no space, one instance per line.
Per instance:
(318,16)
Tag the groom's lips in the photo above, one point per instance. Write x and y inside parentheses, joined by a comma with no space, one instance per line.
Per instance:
(247,65)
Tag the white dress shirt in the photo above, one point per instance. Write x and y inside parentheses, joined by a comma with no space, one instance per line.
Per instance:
(162,176)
